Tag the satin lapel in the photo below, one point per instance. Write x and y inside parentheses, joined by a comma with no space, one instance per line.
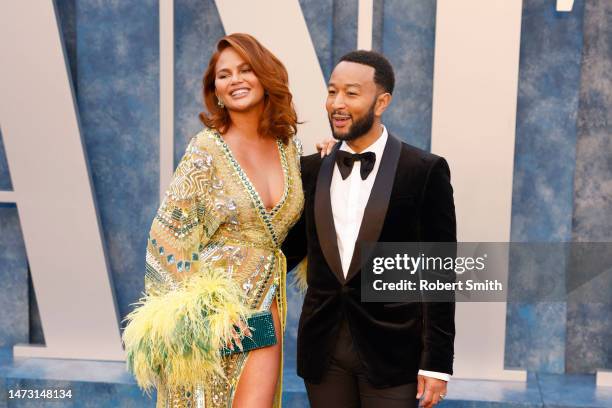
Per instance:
(376,208)
(324,217)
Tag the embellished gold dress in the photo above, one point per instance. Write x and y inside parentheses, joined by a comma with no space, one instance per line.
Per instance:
(213,217)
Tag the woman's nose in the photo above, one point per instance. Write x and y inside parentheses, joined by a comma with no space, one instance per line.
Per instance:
(236,77)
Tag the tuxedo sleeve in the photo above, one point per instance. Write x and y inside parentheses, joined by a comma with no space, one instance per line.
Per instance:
(438,225)
(295,245)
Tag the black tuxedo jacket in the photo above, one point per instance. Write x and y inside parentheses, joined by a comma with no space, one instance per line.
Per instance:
(411,201)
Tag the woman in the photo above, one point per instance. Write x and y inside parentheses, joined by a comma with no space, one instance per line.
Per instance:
(213,256)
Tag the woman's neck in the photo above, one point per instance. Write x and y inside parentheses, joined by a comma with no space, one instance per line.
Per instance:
(246,123)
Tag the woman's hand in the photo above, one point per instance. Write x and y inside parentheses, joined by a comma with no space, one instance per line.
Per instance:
(238,332)
(325,147)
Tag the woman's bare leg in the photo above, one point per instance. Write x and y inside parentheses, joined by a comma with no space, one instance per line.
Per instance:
(257,384)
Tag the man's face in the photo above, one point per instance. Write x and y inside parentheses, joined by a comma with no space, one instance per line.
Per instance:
(351,100)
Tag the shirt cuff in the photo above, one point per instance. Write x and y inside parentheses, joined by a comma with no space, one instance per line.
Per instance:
(435,374)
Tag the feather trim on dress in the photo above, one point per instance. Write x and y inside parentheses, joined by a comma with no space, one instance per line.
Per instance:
(179,334)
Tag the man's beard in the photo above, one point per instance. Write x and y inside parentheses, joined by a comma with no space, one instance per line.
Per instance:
(358,128)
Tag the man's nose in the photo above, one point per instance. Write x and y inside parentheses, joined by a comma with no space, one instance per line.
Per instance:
(338,102)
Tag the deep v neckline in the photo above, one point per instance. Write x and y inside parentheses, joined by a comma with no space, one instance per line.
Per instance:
(250,187)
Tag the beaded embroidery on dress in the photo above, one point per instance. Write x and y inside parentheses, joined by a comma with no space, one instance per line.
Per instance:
(212,219)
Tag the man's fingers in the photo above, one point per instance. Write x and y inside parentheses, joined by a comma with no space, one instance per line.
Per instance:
(435,399)
(427,398)
(420,387)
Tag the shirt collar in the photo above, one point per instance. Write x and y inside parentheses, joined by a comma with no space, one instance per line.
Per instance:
(377,147)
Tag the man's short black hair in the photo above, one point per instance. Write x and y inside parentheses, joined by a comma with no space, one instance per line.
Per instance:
(383,71)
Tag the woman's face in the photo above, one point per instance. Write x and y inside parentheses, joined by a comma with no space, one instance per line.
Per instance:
(235,82)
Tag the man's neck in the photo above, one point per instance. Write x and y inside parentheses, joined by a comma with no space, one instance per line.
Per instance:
(363,142)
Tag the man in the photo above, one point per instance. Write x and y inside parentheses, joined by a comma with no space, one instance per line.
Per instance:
(372,187)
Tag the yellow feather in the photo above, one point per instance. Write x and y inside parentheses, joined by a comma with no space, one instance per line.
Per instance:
(300,276)
(179,334)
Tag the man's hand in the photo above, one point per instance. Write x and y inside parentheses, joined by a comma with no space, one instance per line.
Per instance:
(431,390)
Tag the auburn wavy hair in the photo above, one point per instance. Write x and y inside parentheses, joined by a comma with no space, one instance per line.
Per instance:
(279,118)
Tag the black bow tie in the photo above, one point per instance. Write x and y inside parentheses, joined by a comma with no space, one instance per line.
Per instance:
(345,162)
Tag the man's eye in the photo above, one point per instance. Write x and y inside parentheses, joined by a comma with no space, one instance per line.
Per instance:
(331,92)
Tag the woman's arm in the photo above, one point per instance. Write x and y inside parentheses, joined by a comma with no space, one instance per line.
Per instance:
(183,223)
(176,332)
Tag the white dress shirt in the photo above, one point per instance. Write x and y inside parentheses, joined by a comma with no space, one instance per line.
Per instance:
(348,201)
